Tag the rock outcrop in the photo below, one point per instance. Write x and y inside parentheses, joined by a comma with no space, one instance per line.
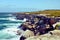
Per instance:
(48,36)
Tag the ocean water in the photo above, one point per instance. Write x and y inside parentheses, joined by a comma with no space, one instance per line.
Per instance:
(8,26)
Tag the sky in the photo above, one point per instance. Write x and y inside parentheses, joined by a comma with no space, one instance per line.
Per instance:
(28,5)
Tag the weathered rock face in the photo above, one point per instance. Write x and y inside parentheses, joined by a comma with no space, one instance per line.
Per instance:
(28,33)
(42,25)
(48,36)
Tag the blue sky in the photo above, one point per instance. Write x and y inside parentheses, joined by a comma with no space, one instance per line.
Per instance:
(28,5)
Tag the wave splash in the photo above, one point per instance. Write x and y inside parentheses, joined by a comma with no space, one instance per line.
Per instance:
(8,27)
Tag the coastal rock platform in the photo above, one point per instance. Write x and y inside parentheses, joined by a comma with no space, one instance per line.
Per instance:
(48,36)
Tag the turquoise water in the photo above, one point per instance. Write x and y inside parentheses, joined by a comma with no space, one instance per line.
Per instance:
(8,26)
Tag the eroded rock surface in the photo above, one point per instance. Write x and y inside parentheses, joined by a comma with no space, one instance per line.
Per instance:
(48,36)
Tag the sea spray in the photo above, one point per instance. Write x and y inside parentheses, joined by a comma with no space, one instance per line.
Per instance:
(9,26)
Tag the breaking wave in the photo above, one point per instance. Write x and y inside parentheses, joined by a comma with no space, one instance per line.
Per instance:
(9,26)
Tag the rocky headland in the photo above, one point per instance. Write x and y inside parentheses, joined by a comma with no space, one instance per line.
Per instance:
(39,25)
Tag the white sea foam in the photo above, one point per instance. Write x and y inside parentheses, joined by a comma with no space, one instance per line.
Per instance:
(10,32)
(8,18)
(24,19)
(13,19)
(11,24)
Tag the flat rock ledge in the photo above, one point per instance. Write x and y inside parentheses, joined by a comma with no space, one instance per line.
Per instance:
(48,36)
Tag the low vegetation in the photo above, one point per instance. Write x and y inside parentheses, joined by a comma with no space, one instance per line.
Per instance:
(51,12)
